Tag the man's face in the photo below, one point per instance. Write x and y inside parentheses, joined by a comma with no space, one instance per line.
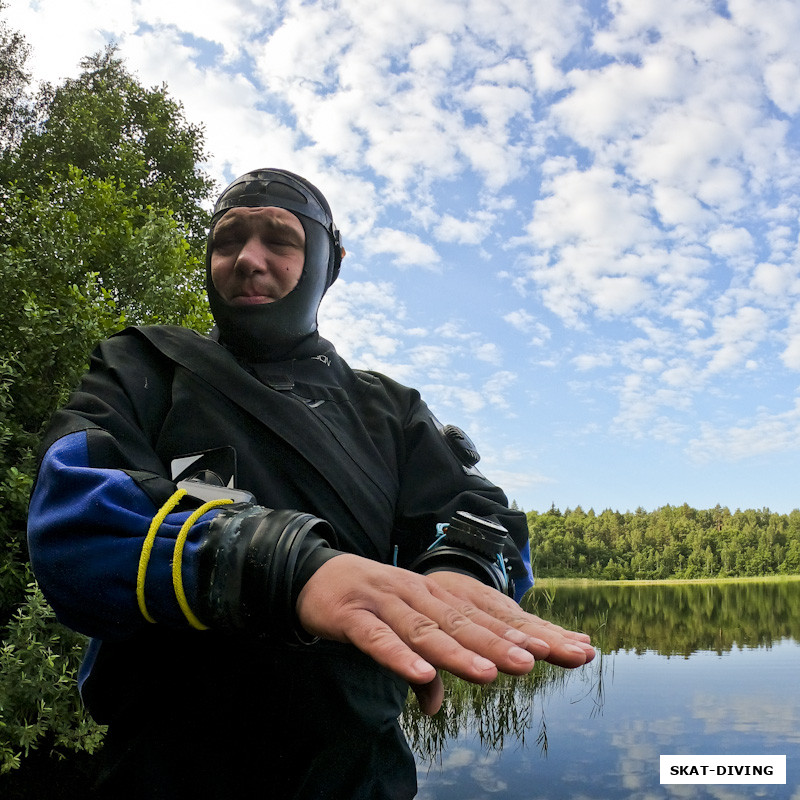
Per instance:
(257,255)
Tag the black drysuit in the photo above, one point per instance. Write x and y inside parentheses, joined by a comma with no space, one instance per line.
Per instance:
(202,701)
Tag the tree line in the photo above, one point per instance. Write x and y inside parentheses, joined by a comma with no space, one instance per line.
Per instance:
(670,542)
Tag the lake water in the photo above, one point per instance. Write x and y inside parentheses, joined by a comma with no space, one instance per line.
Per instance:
(691,669)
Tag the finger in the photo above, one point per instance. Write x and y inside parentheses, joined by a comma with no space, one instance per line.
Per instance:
(404,638)
(446,637)
(413,646)
(512,650)
(565,648)
(500,614)
(378,640)
(500,630)
(548,641)
(501,607)
(439,634)
(429,695)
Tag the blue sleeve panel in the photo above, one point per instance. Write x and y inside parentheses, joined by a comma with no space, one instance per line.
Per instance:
(522,584)
(86,529)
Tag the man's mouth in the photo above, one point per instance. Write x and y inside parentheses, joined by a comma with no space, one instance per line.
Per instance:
(251,299)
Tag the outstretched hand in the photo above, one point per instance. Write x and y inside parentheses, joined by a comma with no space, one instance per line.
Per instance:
(415,624)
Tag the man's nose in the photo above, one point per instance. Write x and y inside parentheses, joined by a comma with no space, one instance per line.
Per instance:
(253,257)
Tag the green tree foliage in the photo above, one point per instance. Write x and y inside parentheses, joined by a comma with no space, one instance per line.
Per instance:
(670,542)
(38,662)
(102,224)
(15,111)
(112,128)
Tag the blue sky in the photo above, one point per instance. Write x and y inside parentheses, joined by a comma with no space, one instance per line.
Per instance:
(573,226)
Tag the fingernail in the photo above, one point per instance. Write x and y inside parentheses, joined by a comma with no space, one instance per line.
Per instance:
(516,636)
(520,656)
(483,664)
(422,667)
(575,648)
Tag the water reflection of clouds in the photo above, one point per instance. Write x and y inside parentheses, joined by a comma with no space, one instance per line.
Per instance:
(666,729)
(636,756)
(727,715)
(728,792)
(776,720)
(487,776)
(719,791)
(457,758)
(681,790)
(638,763)
(473,771)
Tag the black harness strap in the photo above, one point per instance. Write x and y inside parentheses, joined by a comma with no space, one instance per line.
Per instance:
(293,421)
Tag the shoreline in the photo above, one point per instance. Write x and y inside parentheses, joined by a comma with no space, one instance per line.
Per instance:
(544,583)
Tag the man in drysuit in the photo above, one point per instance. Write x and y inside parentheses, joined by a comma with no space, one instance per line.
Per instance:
(266,546)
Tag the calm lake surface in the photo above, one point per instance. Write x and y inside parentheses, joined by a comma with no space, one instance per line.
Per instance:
(694,669)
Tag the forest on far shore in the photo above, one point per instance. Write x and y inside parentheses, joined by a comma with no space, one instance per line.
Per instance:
(670,542)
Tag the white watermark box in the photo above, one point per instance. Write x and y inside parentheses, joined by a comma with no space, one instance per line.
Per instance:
(723,769)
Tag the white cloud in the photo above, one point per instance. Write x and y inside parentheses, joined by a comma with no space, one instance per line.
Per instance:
(406,248)
(731,242)
(776,280)
(783,83)
(432,357)
(734,338)
(679,375)
(227,24)
(589,361)
(593,206)
(768,432)
(489,352)
(614,100)
(791,354)
(603,248)
(646,410)
(450,401)
(521,320)
(365,322)
(59,35)
(454,330)
(790,357)
(464,231)
(679,208)
(498,104)
(434,55)
(510,72)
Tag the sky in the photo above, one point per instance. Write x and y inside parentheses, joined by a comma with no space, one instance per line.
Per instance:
(573,226)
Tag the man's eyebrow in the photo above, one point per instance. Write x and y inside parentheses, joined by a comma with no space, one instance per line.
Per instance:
(272,224)
(227,223)
(284,227)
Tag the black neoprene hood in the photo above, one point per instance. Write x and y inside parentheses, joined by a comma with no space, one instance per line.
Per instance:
(273,331)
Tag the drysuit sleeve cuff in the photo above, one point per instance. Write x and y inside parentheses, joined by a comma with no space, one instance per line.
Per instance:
(254,563)
(314,555)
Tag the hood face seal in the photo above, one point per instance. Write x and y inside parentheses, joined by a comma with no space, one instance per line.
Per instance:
(272,331)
